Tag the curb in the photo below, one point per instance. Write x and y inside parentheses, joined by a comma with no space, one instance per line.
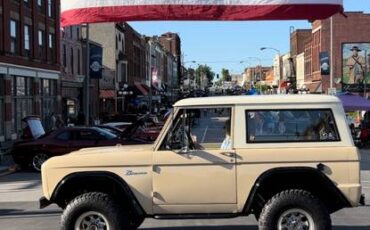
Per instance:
(9,170)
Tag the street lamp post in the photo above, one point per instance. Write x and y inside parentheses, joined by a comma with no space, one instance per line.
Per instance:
(280,63)
(123,92)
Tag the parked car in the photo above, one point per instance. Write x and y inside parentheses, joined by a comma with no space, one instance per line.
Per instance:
(118,125)
(146,128)
(219,157)
(35,152)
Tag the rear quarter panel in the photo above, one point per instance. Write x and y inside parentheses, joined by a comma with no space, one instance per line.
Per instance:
(341,158)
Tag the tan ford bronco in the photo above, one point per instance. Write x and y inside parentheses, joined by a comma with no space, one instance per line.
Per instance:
(289,160)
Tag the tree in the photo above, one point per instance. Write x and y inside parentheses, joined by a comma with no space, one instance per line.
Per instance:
(225,74)
(204,70)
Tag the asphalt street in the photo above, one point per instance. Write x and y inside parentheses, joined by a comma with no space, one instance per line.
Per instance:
(19,193)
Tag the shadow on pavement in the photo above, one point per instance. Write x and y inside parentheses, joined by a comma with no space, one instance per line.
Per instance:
(241,227)
(231,227)
(21,176)
(4,213)
(351,228)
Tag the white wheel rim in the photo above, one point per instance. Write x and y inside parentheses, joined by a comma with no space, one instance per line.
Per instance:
(38,160)
(296,219)
(92,221)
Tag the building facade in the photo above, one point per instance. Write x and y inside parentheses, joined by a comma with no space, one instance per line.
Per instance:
(112,39)
(171,42)
(29,63)
(72,71)
(350,32)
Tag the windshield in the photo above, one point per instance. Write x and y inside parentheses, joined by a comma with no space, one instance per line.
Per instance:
(108,135)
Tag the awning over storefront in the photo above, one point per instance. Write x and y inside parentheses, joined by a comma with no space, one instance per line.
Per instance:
(142,88)
(353,102)
(75,12)
(107,94)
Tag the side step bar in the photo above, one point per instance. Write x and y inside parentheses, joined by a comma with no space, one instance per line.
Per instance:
(196,216)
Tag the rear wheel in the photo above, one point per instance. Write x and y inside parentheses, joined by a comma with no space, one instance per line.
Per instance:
(95,211)
(38,159)
(294,209)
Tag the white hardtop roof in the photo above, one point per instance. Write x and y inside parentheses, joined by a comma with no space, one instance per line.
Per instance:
(258,99)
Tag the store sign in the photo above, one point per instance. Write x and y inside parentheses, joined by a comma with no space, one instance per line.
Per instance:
(96,59)
(325,63)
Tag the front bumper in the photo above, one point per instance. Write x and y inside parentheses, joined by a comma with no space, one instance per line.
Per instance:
(44,202)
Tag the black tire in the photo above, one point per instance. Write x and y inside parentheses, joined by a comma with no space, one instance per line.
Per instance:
(38,159)
(96,202)
(283,202)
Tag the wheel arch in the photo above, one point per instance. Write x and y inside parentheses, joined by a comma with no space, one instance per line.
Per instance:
(307,178)
(77,183)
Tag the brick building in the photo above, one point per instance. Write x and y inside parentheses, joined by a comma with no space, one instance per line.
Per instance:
(72,71)
(171,42)
(29,63)
(298,40)
(353,27)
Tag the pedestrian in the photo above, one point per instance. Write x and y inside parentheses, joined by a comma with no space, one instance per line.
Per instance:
(52,122)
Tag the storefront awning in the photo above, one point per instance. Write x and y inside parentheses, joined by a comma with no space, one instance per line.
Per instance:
(75,12)
(144,91)
(353,102)
(107,94)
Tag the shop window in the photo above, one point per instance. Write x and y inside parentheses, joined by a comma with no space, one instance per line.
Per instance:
(45,87)
(40,5)
(51,45)
(278,126)
(79,62)
(41,43)
(64,55)
(72,62)
(50,8)
(27,41)
(22,105)
(13,36)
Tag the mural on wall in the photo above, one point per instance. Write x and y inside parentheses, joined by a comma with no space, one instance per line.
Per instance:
(355,64)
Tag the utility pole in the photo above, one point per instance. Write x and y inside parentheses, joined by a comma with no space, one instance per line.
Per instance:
(87,78)
(331,52)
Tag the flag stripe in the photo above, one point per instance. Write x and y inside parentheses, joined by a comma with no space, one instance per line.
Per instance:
(78,4)
(200,12)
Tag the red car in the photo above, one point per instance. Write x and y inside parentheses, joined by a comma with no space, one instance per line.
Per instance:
(35,152)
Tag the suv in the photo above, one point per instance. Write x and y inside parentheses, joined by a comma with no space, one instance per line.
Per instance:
(289,160)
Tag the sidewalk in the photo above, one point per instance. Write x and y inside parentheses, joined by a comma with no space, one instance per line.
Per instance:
(7,164)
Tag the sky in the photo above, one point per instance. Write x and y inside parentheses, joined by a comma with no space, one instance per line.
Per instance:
(222,44)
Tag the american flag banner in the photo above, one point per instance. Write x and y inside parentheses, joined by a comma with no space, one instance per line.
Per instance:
(92,11)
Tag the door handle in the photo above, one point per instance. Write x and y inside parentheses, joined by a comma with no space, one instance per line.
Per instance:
(228,154)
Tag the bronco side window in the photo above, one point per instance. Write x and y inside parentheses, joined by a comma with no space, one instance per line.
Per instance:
(204,128)
(306,125)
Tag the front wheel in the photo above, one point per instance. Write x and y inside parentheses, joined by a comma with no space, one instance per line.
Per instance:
(294,209)
(38,159)
(93,210)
